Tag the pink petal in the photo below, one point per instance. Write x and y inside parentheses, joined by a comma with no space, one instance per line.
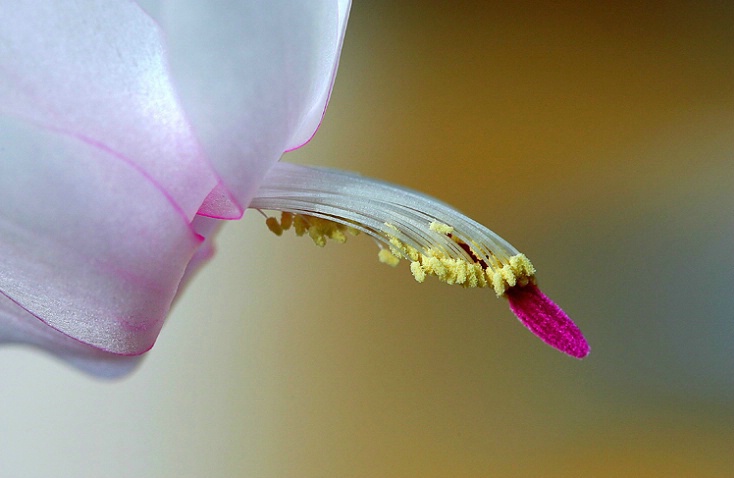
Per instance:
(17,325)
(206,228)
(91,246)
(546,320)
(254,77)
(97,70)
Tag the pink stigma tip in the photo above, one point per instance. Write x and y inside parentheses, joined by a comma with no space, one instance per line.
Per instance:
(546,320)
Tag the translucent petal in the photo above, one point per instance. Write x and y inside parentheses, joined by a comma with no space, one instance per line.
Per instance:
(97,70)
(91,246)
(325,78)
(253,76)
(17,325)
(206,228)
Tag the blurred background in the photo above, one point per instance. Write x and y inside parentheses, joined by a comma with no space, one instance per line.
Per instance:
(598,139)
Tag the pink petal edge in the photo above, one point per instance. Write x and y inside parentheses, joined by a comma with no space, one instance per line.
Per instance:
(546,320)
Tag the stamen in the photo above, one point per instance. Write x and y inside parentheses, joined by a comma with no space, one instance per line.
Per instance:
(274,226)
(387,257)
(436,239)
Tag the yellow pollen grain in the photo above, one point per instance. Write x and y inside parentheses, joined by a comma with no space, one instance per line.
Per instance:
(387,257)
(441,228)
(417,271)
(518,270)
(274,226)
(300,224)
(286,220)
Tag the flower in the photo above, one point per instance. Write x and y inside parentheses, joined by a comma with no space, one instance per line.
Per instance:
(130,131)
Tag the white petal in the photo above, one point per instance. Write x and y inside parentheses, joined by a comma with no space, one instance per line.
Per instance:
(19,326)
(97,70)
(91,246)
(322,90)
(253,76)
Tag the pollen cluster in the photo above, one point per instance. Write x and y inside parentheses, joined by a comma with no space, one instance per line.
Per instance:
(467,270)
(318,229)
(479,272)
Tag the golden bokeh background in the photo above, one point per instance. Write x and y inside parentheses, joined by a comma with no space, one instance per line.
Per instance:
(598,139)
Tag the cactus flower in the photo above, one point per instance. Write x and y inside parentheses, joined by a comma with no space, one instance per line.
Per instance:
(131,131)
